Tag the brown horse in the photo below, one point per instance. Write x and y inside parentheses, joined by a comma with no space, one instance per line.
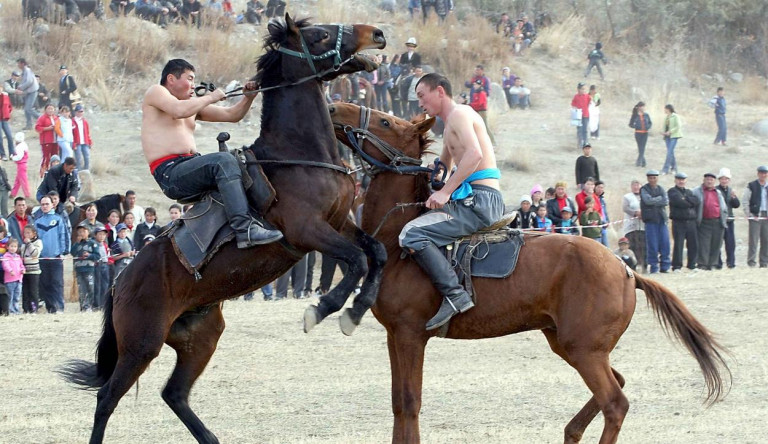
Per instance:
(582,318)
(156,301)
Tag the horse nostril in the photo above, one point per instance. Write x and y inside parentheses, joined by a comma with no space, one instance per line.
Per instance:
(378,36)
(331,109)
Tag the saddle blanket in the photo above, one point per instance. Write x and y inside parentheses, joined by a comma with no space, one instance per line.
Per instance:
(491,254)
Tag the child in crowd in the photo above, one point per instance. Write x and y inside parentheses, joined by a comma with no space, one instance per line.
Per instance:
(30,252)
(85,254)
(526,216)
(537,197)
(21,157)
(568,224)
(5,300)
(129,220)
(122,249)
(549,194)
(101,278)
(64,135)
(590,220)
(627,255)
(543,223)
(45,128)
(82,142)
(14,273)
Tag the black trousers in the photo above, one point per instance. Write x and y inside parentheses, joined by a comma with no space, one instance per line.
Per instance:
(684,231)
(328,269)
(730,247)
(642,141)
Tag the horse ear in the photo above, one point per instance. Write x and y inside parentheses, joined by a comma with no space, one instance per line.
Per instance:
(422,124)
(290,24)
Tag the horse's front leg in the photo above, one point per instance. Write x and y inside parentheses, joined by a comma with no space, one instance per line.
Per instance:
(377,258)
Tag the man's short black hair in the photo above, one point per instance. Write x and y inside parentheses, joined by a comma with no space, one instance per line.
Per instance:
(52,194)
(176,206)
(21,60)
(151,211)
(130,193)
(15,201)
(433,80)
(720,88)
(177,67)
(70,161)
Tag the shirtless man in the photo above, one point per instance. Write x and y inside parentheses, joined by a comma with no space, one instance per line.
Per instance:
(167,139)
(469,201)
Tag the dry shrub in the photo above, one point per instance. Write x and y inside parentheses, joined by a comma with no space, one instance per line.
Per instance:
(227,57)
(753,91)
(561,39)
(138,45)
(522,158)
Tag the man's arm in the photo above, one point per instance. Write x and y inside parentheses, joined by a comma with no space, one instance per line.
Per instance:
(651,201)
(235,113)
(745,198)
(473,154)
(159,97)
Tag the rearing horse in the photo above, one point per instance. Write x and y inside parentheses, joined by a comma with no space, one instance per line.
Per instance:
(156,301)
(573,289)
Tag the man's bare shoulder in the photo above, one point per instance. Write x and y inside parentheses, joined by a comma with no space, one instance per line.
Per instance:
(154,93)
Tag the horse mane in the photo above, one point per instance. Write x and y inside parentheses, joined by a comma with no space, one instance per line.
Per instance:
(266,74)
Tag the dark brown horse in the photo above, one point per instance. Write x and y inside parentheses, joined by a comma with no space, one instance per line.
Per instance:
(571,288)
(156,301)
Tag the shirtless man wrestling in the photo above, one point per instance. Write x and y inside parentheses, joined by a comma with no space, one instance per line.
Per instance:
(167,139)
(469,201)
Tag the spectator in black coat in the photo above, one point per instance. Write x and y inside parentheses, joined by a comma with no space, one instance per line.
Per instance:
(586,166)
(149,227)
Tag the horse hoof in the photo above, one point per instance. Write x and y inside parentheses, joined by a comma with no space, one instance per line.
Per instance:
(311,318)
(347,324)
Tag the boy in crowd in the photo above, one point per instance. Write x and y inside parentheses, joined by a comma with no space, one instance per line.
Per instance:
(122,249)
(543,223)
(590,220)
(525,218)
(85,255)
(101,270)
(626,255)
(568,224)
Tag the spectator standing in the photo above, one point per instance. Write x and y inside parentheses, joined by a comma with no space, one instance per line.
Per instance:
(756,209)
(542,222)
(113,219)
(626,254)
(298,277)
(130,205)
(45,127)
(85,255)
(67,87)
(5,190)
(64,135)
(653,207)
(28,87)
(395,70)
(121,7)
(683,211)
(10,86)
(101,276)
(63,180)
(731,201)
(507,81)
(600,199)
(588,191)
(586,167)
(594,112)
(43,96)
(634,228)
(568,223)
(122,249)
(6,108)
(557,203)
(672,132)
(589,219)
(383,80)
(408,90)
(30,253)
(722,128)
(641,122)
(526,215)
(55,240)
(19,219)
(485,83)
(712,215)
(253,11)
(413,7)
(581,102)
(82,142)
(146,228)
(21,158)
(596,59)
(410,57)
(505,25)
(520,95)
(537,197)
(13,266)
(129,220)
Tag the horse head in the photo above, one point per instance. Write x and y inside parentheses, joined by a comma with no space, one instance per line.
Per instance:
(298,49)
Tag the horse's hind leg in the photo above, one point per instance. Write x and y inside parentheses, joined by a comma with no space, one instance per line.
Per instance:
(377,256)
(194,337)
(576,427)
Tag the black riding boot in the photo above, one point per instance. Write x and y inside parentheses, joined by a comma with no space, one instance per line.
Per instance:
(248,231)
(455,298)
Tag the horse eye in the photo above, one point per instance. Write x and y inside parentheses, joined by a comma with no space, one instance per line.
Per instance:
(385,122)
(326,35)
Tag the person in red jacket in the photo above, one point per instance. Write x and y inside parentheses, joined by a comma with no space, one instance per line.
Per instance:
(82,139)
(45,127)
(581,101)
(5,122)
(479,103)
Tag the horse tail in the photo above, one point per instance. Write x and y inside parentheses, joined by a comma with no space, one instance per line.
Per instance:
(93,375)
(700,342)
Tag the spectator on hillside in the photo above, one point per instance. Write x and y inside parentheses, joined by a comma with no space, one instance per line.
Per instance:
(641,122)
(755,200)
(63,180)
(485,83)
(383,80)
(479,103)
(414,6)
(130,205)
(505,25)
(410,57)
(722,128)
(43,96)
(683,209)
(253,11)
(45,127)
(153,11)
(626,254)
(596,59)
(67,86)
(507,81)
(6,108)
(528,31)
(10,86)
(21,158)
(408,90)
(30,285)
(113,219)
(441,7)
(581,102)
(121,7)
(672,132)
(27,87)
(526,215)
(634,229)
(586,167)
(395,70)
(558,202)
(732,201)
(712,215)
(101,279)
(55,239)
(520,95)
(191,11)
(653,208)
(19,219)
(148,227)
(64,134)
(85,256)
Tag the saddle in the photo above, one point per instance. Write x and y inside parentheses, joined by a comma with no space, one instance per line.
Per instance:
(199,234)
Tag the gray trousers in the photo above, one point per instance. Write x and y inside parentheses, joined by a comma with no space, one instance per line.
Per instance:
(458,218)
(710,240)
(298,275)
(758,233)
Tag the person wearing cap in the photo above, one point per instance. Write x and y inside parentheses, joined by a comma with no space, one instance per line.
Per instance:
(732,201)
(410,57)
(28,87)
(485,83)
(526,215)
(53,233)
(10,86)
(683,212)
(6,108)
(586,166)
(581,102)
(67,86)
(469,201)
(85,255)
(712,216)
(568,223)
(722,128)
(101,281)
(626,254)
(653,209)
(167,140)
(634,228)
(122,249)
(755,199)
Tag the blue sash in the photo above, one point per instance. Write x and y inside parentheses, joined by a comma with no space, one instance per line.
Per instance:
(465,189)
